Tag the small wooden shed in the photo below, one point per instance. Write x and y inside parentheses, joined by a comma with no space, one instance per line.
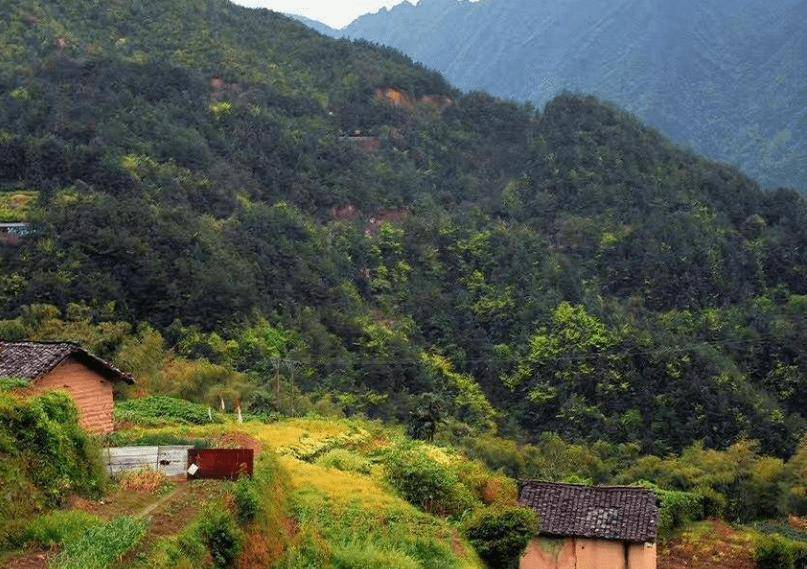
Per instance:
(63,365)
(587,527)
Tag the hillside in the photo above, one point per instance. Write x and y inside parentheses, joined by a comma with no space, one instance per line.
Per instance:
(725,78)
(237,208)
(341,493)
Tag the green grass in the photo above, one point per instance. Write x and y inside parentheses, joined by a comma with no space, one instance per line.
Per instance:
(347,520)
(8,384)
(44,457)
(60,527)
(15,205)
(101,546)
(345,460)
(157,411)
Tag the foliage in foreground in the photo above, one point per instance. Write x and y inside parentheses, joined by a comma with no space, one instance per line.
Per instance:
(44,457)
(777,552)
(60,527)
(100,546)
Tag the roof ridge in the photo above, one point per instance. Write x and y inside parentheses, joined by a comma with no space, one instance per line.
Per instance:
(43,342)
(525,483)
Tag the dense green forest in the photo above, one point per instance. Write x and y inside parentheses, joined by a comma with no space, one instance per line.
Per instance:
(203,216)
(725,78)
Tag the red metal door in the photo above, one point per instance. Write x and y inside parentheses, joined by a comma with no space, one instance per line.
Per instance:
(221,464)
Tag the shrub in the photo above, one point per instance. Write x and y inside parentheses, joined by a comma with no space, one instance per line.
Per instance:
(222,536)
(102,545)
(501,534)
(678,508)
(44,457)
(247,500)
(427,484)
(776,552)
(161,410)
(713,503)
(60,527)
(146,481)
(343,459)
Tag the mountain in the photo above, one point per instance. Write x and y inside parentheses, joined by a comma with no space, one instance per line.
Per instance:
(327,219)
(324,29)
(728,79)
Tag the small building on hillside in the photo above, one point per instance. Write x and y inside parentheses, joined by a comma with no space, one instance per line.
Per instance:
(12,233)
(63,365)
(585,527)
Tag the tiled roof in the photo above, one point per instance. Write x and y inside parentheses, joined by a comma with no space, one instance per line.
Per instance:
(568,510)
(32,360)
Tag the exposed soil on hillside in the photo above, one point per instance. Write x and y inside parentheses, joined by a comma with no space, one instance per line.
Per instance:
(708,545)
(31,560)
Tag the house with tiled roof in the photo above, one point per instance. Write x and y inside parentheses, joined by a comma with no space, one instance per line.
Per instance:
(591,527)
(47,366)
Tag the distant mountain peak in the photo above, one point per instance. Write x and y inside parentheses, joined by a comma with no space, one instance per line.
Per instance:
(728,79)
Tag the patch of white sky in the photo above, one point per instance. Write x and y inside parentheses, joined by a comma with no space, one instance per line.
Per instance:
(335,13)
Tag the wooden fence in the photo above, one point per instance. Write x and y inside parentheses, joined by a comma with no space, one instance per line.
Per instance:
(172,460)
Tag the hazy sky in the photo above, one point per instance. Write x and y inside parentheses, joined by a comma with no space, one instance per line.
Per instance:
(336,13)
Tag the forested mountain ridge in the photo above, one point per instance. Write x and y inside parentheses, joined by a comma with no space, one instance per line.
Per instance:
(726,78)
(200,178)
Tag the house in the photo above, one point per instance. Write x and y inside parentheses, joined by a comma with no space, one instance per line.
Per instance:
(369,144)
(63,365)
(585,527)
(12,233)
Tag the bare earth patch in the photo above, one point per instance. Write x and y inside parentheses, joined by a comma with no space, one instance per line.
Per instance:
(708,544)
(31,560)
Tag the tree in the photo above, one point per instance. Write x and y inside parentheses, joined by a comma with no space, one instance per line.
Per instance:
(501,534)
(425,417)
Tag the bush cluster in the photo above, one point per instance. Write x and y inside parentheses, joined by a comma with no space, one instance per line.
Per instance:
(247,500)
(223,537)
(777,552)
(161,410)
(346,460)
(500,534)
(423,481)
(677,509)
(45,456)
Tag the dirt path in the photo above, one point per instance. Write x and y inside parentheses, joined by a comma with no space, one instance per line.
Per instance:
(171,514)
(159,503)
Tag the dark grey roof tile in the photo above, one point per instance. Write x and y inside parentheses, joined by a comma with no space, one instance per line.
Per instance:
(616,513)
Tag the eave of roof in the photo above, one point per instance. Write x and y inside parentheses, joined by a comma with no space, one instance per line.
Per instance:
(51,355)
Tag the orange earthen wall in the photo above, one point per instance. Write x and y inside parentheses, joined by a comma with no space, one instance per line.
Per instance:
(90,390)
(642,556)
(570,553)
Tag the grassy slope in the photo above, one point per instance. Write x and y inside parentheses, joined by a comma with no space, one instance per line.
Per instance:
(313,515)
(342,518)
(316,515)
(15,205)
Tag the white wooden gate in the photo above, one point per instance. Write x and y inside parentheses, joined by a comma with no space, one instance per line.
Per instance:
(172,460)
